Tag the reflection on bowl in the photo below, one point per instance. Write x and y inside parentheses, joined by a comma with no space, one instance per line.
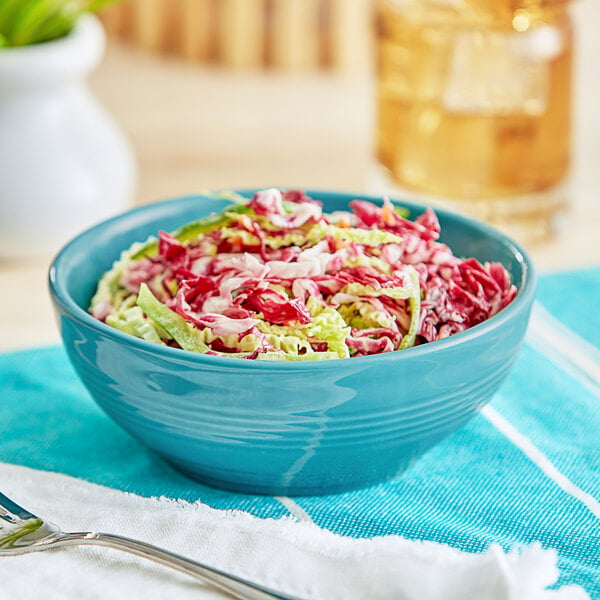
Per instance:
(285,428)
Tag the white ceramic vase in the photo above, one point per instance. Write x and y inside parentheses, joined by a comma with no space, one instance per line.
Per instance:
(64,164)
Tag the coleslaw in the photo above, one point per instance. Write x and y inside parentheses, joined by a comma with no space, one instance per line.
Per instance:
(275,278)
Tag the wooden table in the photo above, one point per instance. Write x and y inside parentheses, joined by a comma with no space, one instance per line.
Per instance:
(195,128)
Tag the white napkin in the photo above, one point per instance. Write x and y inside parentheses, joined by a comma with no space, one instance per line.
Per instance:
(297,558)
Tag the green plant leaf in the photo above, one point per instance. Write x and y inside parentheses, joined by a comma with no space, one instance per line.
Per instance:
(8,11)
(31,18)
(96,5)
(25,22)
(56,26)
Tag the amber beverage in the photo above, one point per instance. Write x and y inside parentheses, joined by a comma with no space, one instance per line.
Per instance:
(474,105)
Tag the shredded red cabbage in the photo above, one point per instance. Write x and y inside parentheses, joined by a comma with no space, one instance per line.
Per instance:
(269,280)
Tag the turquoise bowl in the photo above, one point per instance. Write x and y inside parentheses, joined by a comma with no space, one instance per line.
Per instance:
(285,428)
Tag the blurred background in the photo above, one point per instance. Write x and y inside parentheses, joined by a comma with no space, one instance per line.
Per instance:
(228,93)
(215,94)
(232,93)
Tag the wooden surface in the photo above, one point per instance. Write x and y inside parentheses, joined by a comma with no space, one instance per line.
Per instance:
(195,128)
(250,34)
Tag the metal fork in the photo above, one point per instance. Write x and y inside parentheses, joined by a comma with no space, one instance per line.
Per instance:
(22,531)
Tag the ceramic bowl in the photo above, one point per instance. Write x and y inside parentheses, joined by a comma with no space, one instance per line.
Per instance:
(285,428)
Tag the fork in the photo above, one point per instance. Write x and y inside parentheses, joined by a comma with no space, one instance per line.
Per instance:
(22,532)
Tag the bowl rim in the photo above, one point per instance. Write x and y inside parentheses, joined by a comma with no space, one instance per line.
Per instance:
(522,300)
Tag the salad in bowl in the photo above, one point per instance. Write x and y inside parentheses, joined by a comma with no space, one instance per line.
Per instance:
(274,277)
(289,343)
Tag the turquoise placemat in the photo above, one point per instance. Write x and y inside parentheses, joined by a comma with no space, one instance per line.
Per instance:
(527,469)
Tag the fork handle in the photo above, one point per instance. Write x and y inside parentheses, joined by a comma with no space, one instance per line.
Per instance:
(230,584)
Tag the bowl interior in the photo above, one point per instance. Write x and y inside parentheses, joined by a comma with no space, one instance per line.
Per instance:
(77,268)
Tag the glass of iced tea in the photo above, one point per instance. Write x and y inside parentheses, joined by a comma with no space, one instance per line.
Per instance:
(474,107)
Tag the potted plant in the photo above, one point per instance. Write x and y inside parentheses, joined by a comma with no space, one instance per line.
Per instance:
(63,162)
